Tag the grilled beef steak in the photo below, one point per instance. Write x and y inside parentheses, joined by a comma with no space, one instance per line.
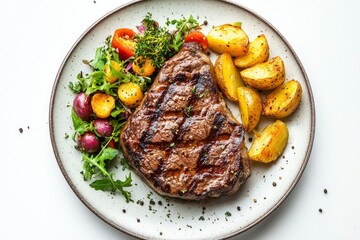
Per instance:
(182,139)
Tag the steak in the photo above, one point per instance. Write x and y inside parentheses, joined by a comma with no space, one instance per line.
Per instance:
(183,140)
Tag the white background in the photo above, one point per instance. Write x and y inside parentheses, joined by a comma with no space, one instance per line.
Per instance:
(36,201)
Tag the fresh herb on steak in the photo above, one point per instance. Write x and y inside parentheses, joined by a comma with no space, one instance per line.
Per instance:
(160,43)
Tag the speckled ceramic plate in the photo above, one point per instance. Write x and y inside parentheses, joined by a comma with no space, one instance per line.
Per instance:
(157,217)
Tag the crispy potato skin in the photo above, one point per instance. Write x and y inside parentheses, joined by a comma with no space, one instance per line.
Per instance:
(283,101)
(228,38)
(270,143)
(250,106)
(258,52)
(265,76)
(102,104)
(227,76)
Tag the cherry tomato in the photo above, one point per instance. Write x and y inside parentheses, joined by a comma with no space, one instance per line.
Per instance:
(199,37)
(123,41)
(112,144)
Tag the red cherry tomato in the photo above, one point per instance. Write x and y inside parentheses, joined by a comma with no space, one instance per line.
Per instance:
(123,42)
(112,144)
(199,37)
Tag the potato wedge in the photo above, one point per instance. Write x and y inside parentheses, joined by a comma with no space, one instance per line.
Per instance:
(270,143)
(265,76)
(227,76)
(229,38)
(258,52)
(250,106)
(283,100)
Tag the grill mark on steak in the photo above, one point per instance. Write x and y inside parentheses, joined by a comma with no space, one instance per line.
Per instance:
(182,140)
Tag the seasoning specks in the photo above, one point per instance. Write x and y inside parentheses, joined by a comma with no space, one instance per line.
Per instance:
(325,191)
(320,210)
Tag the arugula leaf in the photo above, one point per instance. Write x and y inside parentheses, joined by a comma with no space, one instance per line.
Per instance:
(97,165)
(99,60)
(108,184)
(183,27)
(80,126)
(124,163)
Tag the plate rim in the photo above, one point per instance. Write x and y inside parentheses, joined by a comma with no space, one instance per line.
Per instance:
(136,234)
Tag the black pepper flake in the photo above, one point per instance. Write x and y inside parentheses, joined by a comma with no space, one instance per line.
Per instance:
(161,233)
(201,218)
(320,210)
(21,130)
(152,202)
(250,139)
(160,203)
(138,220)
(124,211)
(238,208)
(292,147)
(325,191)
(274,184)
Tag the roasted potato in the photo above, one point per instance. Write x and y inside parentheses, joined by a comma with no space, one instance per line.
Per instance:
(270,143)
(258,52)
(143,67)
(265,76)
(130,94)
(283,101)
(102,104)
(229,38)
(112,71)
(250,106)
(227,76)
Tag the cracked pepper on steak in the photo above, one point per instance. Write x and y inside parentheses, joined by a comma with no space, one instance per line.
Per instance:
(183,140)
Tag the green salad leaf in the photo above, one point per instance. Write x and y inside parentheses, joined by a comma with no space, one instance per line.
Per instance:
(96,165)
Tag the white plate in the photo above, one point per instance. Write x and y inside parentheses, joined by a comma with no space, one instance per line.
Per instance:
(176,219)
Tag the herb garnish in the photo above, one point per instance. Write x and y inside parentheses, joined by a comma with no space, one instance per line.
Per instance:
(160,43)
